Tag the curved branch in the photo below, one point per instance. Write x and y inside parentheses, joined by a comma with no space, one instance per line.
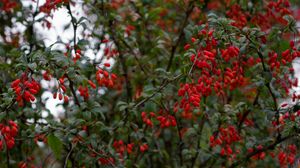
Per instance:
(68,155)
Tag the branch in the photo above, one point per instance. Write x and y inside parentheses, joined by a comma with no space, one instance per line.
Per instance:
(73,91)
(122,61)
(268,85)
(102,155)
(181,33)
(266,148)
(74,24)
(7,158)
(245,114)
(180,145)
(135,56)
(9,106)
(162,86)
(201,125)
(68,155)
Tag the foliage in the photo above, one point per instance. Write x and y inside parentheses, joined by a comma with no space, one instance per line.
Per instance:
(175,83)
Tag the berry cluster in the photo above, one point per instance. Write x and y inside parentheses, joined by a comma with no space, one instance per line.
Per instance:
(165,119)
(51,5)
(109,51)
(260,155)
(120,147)
(238,15)
(29,163)
(287,157)
(274,14)
(84,92)
(106,161)
(46,76)
(225,137)
(77,55)
(104,79)
(25,88)
(144,147)
(147,118)
(211,77)
(61,89)
(8,132)
(8,5)
(102,160)
(230,52)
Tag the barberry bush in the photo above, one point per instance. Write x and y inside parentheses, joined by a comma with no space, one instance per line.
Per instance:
(150,83)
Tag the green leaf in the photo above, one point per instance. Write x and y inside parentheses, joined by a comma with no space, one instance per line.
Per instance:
(32,66)
(87,115)
(55,144)
(268,76)
(122,105)
(190,133)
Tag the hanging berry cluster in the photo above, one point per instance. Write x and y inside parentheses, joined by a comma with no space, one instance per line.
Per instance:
(277,65)
(8,5)
(28,163)
(77,55)
(144,147)
(102,160)
(8,132)
(105,79)
(238,15)
(287,56)
(224,138)
(84,92)
(287,157)
(51,5)
(166,121)
(212,76)
(25,89)
(106,161)
(109,50)
(61,90)
(120,147)
(46,76)
(272,13)
(147,118)
(260,155)
(164,118)
(286,117)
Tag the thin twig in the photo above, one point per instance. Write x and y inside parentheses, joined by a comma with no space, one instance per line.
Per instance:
(7,157)
(162,86)
(135,56)
(74,24)
(181,33)
(68,155)
(180,143)
(201,125)
(73,91)
(122,62)
(245,114)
